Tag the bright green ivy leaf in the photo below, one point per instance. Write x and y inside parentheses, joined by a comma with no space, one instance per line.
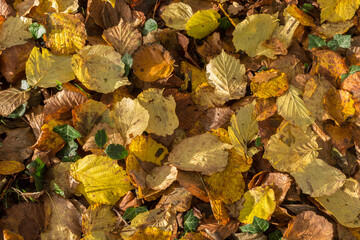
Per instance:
(100,138)
(150,25)
(132,212)
(37,30)
(315,41)
(37,169)
(116,151)
(67,132)
(190,222)
(128,60)
(18,112)
(58,190)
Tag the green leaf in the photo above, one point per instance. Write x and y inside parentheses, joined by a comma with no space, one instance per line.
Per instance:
(18,112)
(258,142)
(190,222)
(344,75)
(260,223)
(128,60)
(67,132)
(315,41)
(343,41)
(58,190)
(306,7)
(132,212)
(249,228)
(116,151)
(353,69)
(224,23)
(68,152)
(150,25)
(37,169)
(100,138)
(275,235)
(37,30)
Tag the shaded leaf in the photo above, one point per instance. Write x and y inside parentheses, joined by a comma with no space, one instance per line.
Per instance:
(315,41)
(37,169)
(132,212)
(149,26)
(13,32)
(190,222)
(100,138)
(11,167)
(116,151)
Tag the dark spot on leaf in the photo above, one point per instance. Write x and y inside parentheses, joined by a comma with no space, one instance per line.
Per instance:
(159,152)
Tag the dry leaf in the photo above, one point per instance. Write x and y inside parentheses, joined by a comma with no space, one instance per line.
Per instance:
(176,15)
(10,99)
(202,23)
(270,83)
(339,104)
(161,177)
(151,233)
(13,32)
(10,167)
(337,10)
(300,15)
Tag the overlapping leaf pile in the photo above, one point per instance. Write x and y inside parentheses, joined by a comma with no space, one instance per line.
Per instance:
(180,120)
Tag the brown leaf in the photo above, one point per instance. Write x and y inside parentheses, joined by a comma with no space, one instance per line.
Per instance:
(192,182)
(340,137)
(6,10)
(36,119)
(351,84)
(211,47)
(10,99)
(215,118)
(265,108)
(10,167)
(308,226)
(289,64)
(268,127)
(26,219)
(13,60)
(177,196)
(8,235)
(217,229)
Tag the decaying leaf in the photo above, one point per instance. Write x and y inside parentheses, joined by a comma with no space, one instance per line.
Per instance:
(202,23)
(202,153)
(251,32)
(163,120)
(44,69)
(338,10)
(110,183)
(264,108)
(300,15)
(339,104)
(270,83)
(160,66)
(161,218)
(227,76)
(123,37)
(176,15)
(151,233)
(99,68)
(13,32)
(161,177)
(11,167)
(10,99)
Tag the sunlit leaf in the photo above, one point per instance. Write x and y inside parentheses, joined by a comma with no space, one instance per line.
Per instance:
(338,10)
(271,83)
(37,30)
(13,32)
(176,15)
(202,23)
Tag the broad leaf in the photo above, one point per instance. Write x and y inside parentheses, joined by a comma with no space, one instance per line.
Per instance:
(37,30)
(176,15)
(337,10)
(67,132)
(190,222)
(149,26)
(342,41)
(116,151)
(11,167)
(10,99)
(100,138)
(315,41)
(202,23)
(132,212)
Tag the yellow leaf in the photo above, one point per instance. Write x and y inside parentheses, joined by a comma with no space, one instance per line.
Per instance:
(344,204)
(202,23)
(330,29)
(300,15)
(10,167)
(201,153)
(13,31)
(259,202)
(131,119)
(98,219)
(227,76)
(319,178)
(291,148)
(99,68)
(271,83)
(339,104)
(65,33)
(160,66)
(195,75)
(338,10)
(44,69)
(254,30)
(176,15)
(243,129)
(123,37)
(220,211)
(151,233)
(101,179)
(10,99)
(163,119)
(158,217)
(112,2)
(147,150)
(292,107)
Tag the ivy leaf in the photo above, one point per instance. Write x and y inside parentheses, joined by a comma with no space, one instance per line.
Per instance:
(68,152)
(128,61)
(18,112)
(150,25)
(58,190)
(100,138)
(190,222)
(37,30)
(37,169)
(339,40)
(132,212)
(67,132)
(249,228)
(258,225)
(353,69)
(116,151)
(315,41)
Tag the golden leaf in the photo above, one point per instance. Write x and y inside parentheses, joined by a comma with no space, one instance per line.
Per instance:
(339,104)
(202,23)
(11,167)
(271,83)
(151,233)
(300,15)
(338,10)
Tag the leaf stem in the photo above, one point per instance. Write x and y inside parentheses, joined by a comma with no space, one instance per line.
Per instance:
(227,15)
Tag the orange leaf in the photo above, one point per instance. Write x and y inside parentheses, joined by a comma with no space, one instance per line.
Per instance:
(339,104)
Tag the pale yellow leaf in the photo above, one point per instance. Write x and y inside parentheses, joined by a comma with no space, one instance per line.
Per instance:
(338,10)
(10,99)
(159,217)
(161,177)
(176,15)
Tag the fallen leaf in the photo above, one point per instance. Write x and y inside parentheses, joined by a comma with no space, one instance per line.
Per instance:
(220,211)
(330,29)
(251,32)
(11,167)
(202,23)
(308,225)
(123,37)
(259,202)
(301,16)
(44,69)
(99,68)
(265,108)
(8,235)
(176,15)
(163,219)
(339,104)
(340,137)
(193,183)
(161,177)
(10,99)
(201,153)
(163,120)
(6,10)
(13,32)
(65,33)
(337,10)
(110,184)
(160,66)
(177,196)
(151,233)
(271,83)
(194,236)
(227,76)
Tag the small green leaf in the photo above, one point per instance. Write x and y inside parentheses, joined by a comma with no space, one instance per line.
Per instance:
(224,23)
(150,25)
(18,112)
(258,142)
(116,151)
(306,7)
(67,132)
(353,69)
(344,75)
(344,41)
(128,61)
(275,235)
(37,30)
(37,169)
(249,228)
(132,212)
(260,223)
(190,222)
(306,66)
(100,138)
(315,41)
(58,190)
(68,152)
